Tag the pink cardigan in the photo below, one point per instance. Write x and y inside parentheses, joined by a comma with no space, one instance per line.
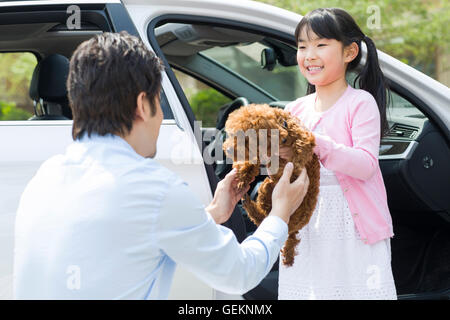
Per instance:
(350,146)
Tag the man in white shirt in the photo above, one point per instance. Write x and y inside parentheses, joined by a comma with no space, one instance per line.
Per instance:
(106,221)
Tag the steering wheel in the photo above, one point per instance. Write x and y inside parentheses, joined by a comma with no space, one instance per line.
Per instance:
(221,168)
(225,111)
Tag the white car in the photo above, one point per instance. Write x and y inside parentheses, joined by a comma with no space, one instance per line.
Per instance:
(216,45)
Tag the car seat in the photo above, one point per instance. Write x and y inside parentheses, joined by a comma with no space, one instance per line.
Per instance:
(48,89)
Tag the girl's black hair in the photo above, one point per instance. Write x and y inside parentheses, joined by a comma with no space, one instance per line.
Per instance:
(335,23)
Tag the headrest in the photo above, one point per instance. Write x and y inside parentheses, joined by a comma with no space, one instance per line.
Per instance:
(49,79)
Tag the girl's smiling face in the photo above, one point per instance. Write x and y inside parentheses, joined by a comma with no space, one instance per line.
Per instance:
(322,61)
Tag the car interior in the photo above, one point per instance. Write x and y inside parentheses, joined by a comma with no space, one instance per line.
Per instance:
(246,66)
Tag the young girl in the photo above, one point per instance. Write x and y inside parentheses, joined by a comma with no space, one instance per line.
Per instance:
(344,251)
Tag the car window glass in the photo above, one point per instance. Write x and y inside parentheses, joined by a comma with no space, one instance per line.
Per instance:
(16,70)
(230,59)
(284,83)
(400,107)
(204,100)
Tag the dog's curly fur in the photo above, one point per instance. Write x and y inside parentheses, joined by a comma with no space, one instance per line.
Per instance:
(291,133)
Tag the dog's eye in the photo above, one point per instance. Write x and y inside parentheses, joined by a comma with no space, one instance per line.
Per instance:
(283,140)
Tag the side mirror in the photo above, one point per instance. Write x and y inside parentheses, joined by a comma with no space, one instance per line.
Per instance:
(268,59)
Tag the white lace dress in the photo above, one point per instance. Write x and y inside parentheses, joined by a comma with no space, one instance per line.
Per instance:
(332,262)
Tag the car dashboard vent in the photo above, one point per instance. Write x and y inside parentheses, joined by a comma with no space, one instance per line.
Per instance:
(402,131)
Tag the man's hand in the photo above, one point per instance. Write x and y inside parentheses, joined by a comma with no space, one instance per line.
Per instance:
(225,198)
(286,196)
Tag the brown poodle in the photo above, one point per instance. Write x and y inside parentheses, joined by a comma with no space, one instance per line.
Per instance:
(284,130)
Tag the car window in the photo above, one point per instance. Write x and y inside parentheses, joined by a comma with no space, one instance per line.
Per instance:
(205,101)
(401,108)
(16,70)
(230,58)
(284,83)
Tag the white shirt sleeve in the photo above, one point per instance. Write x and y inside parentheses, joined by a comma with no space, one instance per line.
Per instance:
(190,236)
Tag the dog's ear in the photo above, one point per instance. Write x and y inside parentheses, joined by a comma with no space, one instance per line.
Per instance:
(304,141)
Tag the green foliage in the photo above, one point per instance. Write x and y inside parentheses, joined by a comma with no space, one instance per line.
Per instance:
(410,30)
(16,70)
(9,111)
(205,105)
